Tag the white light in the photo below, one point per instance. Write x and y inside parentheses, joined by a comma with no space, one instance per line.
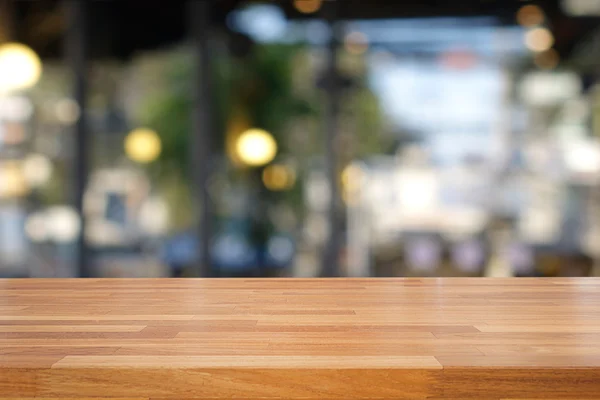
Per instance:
(36,227)
(540,225)
(581,7)
(583,157)
(20,67)
(63,223)
(16,108)
(417,190)
(256,147)
(67,111)
(37,169)
(154,216)
(547,88)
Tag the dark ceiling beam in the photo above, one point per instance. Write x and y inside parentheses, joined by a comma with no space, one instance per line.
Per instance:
(120,28)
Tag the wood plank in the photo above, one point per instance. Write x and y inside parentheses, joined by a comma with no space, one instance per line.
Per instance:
(272,383)
(439,338)
(262,362)
(71,328)
(516,383)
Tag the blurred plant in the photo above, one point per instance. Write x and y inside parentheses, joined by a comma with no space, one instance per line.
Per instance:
(251,92)
(257,89)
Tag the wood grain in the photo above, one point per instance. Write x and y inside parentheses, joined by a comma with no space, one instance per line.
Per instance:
(438,338)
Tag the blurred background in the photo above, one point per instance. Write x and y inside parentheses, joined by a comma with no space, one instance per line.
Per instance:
(299,138)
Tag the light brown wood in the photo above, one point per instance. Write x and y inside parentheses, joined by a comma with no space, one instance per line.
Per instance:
(300,339)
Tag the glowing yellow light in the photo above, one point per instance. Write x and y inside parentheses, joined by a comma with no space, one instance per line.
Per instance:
(256,147)
(308,6)
(530,15)
(37,169)
(547,60)
(539,39)
(278,177)
(143,145)
(352,177)
(12,180)
(20,67)
(356,43)
(352,180)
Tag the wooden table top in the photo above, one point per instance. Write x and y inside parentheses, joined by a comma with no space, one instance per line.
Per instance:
(300,338)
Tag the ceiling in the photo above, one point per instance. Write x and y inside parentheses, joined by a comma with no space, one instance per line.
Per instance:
(119,28)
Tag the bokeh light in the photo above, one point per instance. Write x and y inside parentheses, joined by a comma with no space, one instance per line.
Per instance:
(582,157)
(356,43)
(20,67)
(279,177)
(37,169)
(63,223)
(539,39)
(143,145)
(153,217)
(530,15)
(16,108)
(36,227)
(352,177)
(67,111)
(12,180)
(256,147)
(308,6)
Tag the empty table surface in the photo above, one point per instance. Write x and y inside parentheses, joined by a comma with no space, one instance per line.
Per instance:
(447,338)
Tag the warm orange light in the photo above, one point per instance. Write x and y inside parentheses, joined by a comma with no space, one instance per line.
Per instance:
(539,39)
(279,177)
(308,6)
(530,15)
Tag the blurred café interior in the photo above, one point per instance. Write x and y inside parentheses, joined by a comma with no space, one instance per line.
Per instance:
(299,138)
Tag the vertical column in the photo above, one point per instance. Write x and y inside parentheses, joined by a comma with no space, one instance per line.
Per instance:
(76,52)
(330,259)
(199,26)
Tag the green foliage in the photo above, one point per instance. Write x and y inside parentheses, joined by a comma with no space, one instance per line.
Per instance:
(271,100)
(267,87)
